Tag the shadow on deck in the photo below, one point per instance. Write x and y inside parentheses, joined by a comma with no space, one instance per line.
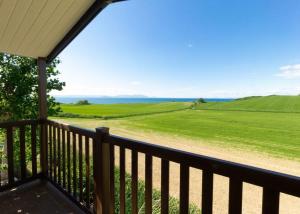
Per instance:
(36,197)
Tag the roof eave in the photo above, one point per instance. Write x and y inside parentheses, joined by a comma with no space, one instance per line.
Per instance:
(85,19)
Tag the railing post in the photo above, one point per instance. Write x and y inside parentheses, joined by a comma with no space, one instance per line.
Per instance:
(42,95)
(101,159)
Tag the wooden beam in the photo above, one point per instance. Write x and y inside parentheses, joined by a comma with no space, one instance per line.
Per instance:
(42,93)
(42,88)
(101,164)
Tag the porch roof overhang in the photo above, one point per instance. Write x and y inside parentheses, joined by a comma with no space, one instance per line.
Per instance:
(43,28)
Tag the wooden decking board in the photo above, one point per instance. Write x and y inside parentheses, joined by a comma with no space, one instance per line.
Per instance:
(36,197)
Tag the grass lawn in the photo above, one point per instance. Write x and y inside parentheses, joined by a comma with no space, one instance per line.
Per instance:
(120,110)
(277,134)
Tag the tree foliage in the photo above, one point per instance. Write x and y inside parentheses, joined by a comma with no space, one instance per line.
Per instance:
(200,100)
(19,87)
(83,102)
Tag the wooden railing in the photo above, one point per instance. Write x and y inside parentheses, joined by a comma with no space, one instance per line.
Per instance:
(70,167)
(273,183)
(19,160)
(81,164)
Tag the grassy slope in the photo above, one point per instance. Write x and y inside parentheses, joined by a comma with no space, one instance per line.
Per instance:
(121,110)
(269,103)
(275,133)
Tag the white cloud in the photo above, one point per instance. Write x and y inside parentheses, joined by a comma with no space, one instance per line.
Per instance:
(289,71)
(135,83)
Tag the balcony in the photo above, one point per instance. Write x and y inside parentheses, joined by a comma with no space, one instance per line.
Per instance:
(76,171)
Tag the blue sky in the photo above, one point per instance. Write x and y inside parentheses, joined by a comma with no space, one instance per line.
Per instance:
(194,48)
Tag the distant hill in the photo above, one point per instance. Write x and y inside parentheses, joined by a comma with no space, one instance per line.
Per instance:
(272,103)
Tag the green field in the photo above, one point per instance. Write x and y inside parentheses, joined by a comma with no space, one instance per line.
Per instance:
(273,133)
(270,103)
(107,111)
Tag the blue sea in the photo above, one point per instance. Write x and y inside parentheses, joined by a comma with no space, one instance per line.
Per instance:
(113,100)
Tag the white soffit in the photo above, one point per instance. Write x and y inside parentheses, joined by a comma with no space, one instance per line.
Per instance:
(33,28)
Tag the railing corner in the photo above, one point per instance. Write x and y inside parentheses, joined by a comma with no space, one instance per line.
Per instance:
(100,131)
(102,171)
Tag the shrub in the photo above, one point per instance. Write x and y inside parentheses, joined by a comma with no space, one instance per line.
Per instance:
(83,102)
(200,100)
(156,196)
(173,202)
(197,103)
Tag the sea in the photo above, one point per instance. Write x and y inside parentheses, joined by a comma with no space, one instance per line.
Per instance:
(114,100)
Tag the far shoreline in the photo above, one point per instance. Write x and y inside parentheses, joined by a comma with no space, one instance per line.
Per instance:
(121,100)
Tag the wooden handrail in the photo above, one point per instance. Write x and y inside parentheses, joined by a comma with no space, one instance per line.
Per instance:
(6,124)
(71,128)
(281,182)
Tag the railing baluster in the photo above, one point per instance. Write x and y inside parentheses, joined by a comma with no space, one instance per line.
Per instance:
(10,155)
(69,160)
(59,155)
(235,196)
(122,180)
(46,146)
(54,154)
(148,184)
(184,188)
(134,182)
(270,201)
(87,171)
(165,185)
(80,168)
(112,177)
(50,151)
(1,157)
(64,157)
(74,165)
(97,175)
(207,192)
(22,152)
(33,149)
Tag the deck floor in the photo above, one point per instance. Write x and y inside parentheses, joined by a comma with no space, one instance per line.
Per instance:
(35,198)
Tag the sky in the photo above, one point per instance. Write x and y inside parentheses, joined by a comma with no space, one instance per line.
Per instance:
(193,48)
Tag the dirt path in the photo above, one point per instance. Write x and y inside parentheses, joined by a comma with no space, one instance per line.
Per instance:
(252,195)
